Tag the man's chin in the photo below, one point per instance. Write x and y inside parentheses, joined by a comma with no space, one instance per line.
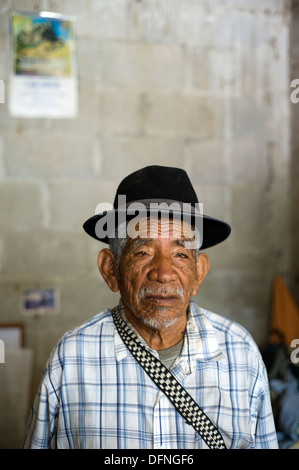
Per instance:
(157,322)
(159,315)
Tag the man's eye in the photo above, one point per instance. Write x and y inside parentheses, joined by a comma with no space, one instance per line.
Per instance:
(141,253)
(182,255)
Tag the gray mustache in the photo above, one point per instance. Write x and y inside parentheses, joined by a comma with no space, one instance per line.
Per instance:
(161,290)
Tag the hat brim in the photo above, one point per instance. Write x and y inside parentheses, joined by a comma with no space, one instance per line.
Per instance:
(214,230)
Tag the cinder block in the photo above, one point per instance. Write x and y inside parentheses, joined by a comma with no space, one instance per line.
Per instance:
(188,23)
(150,21)
(21,204)
(184,115)
(199,70)
(242,26)
(91,298)
(216,291)
(98,20)
(49,154)
(123,155)
(218,71)
(214,197)
(271,6)
(249,161)
(2,163)
(191,23)
(38,253)
(224,71)
(122,112)
(10,294)
(166,114)
(220,257)
(90,62)
(249,120)
(71,203)
(144,66)
(206,161)
(249,216)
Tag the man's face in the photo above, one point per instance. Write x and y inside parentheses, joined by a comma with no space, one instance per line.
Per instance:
(158,275)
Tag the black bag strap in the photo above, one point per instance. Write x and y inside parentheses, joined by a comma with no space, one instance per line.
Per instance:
(169,385)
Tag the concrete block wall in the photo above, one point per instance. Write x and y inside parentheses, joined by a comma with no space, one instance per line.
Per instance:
(203,85)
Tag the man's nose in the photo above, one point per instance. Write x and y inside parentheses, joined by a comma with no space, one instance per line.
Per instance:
(162,270)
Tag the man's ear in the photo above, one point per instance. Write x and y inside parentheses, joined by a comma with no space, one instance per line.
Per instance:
(202,269)
(107,267)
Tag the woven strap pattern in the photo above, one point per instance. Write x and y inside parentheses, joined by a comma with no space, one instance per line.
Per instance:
(166,382)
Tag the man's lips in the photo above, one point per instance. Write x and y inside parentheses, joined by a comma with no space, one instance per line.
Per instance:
(162,298)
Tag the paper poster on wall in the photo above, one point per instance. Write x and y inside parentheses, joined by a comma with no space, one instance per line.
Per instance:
(43,80)
(40,301)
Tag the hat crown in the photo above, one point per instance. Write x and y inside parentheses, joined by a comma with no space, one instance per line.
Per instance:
(157,182)
(149,185)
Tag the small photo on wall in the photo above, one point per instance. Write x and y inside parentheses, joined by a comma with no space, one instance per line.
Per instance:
(40,301)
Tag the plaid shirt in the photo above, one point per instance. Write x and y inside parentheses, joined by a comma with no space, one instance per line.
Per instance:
(94,394)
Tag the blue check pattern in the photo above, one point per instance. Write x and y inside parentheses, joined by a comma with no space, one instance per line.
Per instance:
(94,394)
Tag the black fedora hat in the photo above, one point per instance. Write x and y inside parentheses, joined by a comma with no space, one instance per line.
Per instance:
(151,187)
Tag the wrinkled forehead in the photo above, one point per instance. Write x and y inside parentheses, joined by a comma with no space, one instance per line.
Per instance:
(150,227)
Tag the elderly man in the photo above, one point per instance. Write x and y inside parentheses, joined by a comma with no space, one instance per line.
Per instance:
(156,371)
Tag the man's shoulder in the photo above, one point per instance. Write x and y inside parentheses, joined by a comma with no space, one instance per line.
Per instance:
(91,326)
(86,334)
(80,345)
(227,325)
(227,330)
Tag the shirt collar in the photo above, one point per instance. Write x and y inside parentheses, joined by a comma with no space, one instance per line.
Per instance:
(200,342)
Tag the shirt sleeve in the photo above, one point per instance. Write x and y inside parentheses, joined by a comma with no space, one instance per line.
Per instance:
(263,427)
(41,426)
